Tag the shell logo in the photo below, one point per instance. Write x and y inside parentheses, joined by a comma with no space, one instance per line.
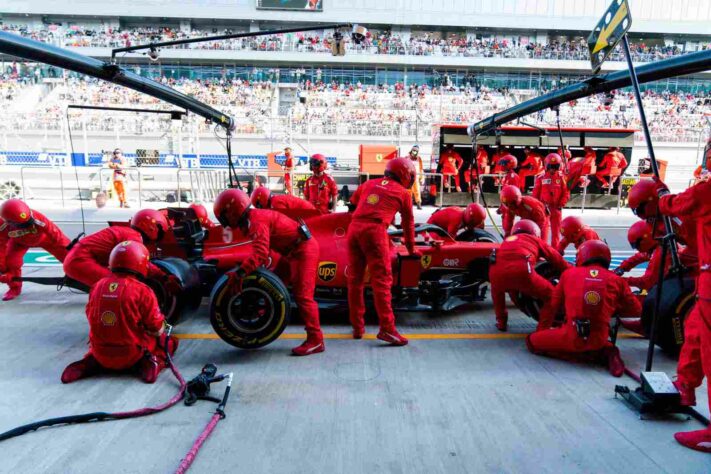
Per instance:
(108,318)
(373,199)
(592,298)
(511,238)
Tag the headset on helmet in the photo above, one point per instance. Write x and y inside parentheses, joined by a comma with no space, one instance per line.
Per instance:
(200,213)
(508,162)
(401,170)
(593,252)
(231,207)
(474,216)
(318,163)
(16,212)
(571,227)
(510,195)
(643,199)
(130,257)
(526,226)
(553,161)
(640,236)
(261,197)
(150,223)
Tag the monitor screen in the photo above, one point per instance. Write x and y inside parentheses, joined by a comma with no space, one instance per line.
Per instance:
(301,5)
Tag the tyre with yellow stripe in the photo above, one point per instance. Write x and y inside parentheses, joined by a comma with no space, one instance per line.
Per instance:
(254,317)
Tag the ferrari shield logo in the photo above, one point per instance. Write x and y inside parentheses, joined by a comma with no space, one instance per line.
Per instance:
(113,286)
(379,157)
(594,273)
(327,271)
(426,261)
(108,318)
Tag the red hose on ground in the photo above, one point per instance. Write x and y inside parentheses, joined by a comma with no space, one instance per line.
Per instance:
(151,410)
(192,454)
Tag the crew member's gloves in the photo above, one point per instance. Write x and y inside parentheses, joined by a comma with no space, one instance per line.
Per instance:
(619,271)
(235,278)
(662,189)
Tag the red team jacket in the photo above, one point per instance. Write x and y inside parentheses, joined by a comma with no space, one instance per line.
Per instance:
(319,190)
(552,189)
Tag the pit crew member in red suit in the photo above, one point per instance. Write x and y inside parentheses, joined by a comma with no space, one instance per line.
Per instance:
(513,204)
(320,189)
(202,216)
(451,162)
(610,167)
(575,232)
(551,189)
(273,230)
(590,295)
(125,323)
(531,166)
(262,198)
(454,218)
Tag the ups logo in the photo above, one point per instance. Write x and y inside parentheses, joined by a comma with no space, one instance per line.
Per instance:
(327,271)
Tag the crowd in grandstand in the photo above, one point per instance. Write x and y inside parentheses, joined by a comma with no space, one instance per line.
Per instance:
(386,42)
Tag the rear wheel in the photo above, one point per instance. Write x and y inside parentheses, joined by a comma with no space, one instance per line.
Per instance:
(174,305)
(254,317)
(678,299)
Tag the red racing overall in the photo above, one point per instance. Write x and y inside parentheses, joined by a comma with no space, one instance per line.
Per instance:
(552,190)
(319,191)
(450,219)
(88,261)
(586,234)
(514,270)
(42,233)
(530,208)
(377,200)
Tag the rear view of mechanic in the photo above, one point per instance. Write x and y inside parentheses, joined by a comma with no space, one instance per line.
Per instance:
(551,189)
(695,204)
(513,268)
(88,261)
(320,189)
(202,216)
(574,231)
(454,218)
(262,198)
(513,205)
(273,230)
(125,323)
(377,201)
(22,229)
(590,295)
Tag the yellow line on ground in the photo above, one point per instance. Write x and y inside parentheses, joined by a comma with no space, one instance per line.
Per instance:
(443,336)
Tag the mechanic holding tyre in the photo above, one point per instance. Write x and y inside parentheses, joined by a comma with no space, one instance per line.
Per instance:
(273,230)
(377,201)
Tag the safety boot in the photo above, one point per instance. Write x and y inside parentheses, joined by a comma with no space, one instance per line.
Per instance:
(697,440)
(81,369)
(502,323)
(358,332)
(687,394)
(615,364)
(392,336)
(149,368)
(11,294)
(312,345)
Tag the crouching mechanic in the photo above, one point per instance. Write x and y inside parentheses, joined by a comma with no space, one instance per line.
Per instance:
(454,218)
(320,189)
(513,268)
(514,204)
(22,229)
(88,260)
(273,230)
(294,207)
(125,324)
(377,201)
(590,294)
(575,232)
(202,216)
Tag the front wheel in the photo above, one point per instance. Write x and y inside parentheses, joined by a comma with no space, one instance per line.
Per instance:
(254,317)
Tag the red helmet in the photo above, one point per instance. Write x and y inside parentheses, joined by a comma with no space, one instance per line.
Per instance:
(508,162)
(200,213)
(643,199)
(526,226)
(593,251)
(401,170)
(571,227)
(231,207)
(318,163)
(553,161)
(261,197)
(510,195)
(151,223)
(130,257)
(15,211)
(474,216)
(640,236)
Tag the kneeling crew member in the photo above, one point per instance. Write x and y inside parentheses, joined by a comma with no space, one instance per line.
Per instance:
(273,230)
(377,201)
(575,232)
(514,204)
(454,218)
(590,294)
(88,260)
(513,268)
(125,323)
(24,228)
(320,189)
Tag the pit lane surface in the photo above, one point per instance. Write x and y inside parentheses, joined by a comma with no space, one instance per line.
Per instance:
(460,398)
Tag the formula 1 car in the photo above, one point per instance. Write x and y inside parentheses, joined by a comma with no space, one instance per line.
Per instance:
(449,274)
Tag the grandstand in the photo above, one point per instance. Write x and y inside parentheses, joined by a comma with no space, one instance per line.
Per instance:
(428,66)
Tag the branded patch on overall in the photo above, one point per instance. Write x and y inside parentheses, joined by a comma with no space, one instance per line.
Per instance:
(108,318)
(372,199)
(592,298)
(113,287)
(594,273)
(511,238)
(327,271)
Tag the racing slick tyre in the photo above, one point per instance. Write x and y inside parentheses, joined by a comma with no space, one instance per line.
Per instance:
(678,297)
(254,317)
(531,307)
(476,235)
(173,304)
